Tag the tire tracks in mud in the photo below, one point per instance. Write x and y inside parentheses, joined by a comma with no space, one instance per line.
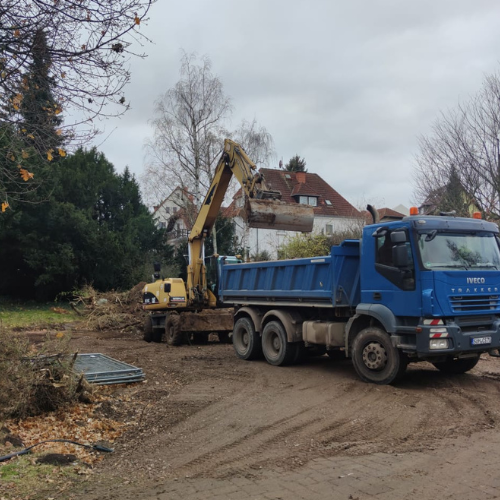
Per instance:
(355,417)
(236,417)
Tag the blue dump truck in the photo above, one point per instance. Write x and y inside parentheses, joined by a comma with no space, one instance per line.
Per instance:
(424,288)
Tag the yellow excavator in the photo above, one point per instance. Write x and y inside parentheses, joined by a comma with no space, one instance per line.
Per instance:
(177,308)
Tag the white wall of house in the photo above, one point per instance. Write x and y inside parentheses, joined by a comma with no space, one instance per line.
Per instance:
(169,207)
(257,240)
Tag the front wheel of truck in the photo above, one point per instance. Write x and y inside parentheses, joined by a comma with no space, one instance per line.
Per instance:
(375,359)
(457,366)
(275,346)
(246,341)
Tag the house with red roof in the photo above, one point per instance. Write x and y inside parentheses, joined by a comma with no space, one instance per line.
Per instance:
(332,212)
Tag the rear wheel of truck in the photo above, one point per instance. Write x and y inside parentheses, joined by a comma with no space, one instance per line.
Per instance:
(457,366)
(246,341)
(148,329)
(375,359)
(277,350)
(173,334)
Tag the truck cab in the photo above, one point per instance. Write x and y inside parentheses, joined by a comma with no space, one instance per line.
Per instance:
(433,284)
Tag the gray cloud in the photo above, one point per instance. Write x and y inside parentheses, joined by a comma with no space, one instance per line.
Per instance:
(347,85)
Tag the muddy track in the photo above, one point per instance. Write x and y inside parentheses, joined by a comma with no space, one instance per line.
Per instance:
(205,413)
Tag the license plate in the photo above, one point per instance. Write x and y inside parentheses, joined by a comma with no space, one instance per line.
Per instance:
(480,340)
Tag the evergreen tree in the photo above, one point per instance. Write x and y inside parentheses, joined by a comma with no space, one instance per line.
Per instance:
(38,107)
(296,164)
(93,229)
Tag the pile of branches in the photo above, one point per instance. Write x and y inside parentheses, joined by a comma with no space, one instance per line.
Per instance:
(35,382)
(110,310)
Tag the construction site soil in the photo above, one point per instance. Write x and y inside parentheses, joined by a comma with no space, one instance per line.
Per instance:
(204,413)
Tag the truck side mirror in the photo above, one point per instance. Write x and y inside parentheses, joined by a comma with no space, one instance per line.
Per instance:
(398,237)
(400,256)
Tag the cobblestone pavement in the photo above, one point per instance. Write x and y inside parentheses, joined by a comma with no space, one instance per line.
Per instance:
(461,469)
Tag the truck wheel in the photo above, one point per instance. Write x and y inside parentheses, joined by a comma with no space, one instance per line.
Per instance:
(246,341)
(148,329)
(457,366)
(277,350)
(173,334)
(375,359)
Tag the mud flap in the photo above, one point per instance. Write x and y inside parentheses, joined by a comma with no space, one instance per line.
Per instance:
(275,214)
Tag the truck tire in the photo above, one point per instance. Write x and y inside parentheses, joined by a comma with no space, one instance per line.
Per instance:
(148,329)
(457,366)
(277,350)
(246,341)
(375,359)
(173,334)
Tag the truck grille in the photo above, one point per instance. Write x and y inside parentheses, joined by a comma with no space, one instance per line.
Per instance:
(467,303)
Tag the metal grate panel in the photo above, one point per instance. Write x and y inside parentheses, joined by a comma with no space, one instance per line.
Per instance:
(103,370)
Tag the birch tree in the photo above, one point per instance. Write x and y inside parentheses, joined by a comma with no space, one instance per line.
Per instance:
(189,128)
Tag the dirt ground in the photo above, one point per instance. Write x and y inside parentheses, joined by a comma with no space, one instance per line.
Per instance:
(203,413)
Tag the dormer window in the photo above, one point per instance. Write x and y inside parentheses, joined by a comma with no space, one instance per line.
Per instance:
(308,200)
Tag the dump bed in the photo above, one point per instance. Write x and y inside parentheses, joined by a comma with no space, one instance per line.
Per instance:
(329,281)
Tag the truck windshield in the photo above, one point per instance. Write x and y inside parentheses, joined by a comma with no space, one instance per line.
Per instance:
(444,250)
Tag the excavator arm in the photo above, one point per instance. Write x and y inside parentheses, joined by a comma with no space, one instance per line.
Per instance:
(263,209)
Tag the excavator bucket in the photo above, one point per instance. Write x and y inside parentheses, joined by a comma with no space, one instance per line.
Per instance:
(276,214)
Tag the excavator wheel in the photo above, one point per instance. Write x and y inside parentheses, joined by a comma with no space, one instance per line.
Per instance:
(148,329)
(173,334)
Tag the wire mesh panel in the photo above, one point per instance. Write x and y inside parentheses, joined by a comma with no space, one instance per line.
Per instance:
(101,369)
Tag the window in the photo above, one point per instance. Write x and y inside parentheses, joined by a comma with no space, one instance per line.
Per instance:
(329,229)
(384,250)
(308,200)
(328,202)
(174,209)
(167,210)
(403,278)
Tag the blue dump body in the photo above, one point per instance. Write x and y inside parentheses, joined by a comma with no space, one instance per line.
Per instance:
(327,281)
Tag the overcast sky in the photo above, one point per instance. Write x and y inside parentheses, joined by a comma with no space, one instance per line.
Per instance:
(347,85)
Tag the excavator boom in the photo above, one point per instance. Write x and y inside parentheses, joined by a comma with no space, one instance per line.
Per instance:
(263,208)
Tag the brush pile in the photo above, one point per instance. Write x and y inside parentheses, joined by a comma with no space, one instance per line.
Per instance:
(111,310)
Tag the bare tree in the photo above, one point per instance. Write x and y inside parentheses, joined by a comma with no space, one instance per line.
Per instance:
(89,42)
(189,132)
(80,51)
(464,148)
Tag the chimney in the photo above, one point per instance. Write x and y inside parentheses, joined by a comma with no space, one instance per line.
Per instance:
(301,177)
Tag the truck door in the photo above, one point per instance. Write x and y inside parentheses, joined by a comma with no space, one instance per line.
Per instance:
(389,274)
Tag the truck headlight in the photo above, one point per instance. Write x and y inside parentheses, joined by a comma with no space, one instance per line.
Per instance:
(439,344)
